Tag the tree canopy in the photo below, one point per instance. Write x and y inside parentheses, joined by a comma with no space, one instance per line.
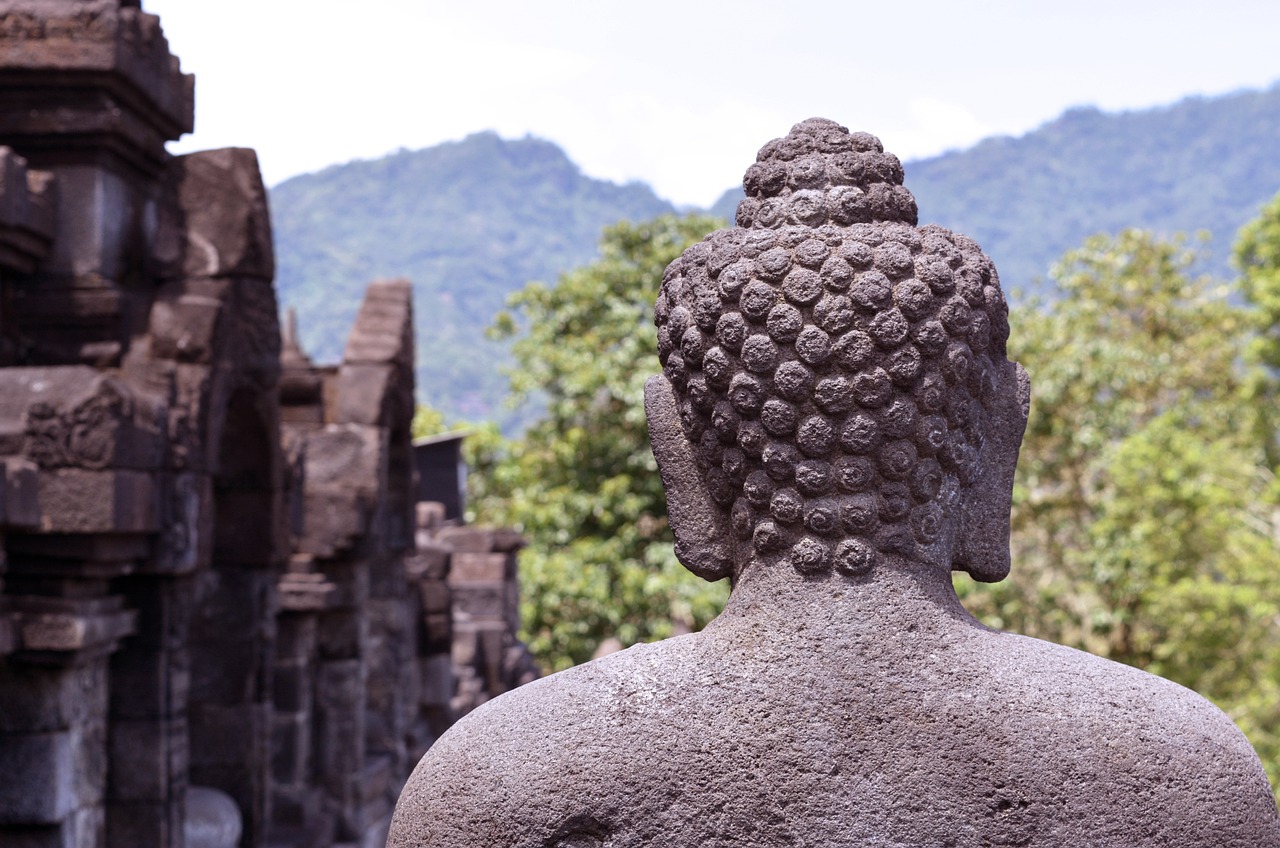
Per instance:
(581,483)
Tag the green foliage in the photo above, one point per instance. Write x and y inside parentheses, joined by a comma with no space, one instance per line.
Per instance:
(1257,256)
(1141,530)
(582,483)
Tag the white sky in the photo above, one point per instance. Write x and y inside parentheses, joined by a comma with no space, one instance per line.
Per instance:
(682,94)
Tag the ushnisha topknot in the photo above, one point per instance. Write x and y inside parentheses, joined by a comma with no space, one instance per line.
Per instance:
(823,173)
(833,363)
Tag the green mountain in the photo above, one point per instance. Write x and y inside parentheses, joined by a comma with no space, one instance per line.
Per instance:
(471,221)
(1202,164)
(468,222)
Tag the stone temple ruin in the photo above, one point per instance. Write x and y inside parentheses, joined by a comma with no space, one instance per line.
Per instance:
(219,581)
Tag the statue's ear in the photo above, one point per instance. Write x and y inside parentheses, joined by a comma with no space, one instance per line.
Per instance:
(704,544)
(982,541)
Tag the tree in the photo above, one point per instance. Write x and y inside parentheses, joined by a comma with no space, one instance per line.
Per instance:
(581,483)
(1257,256)
(1142,530)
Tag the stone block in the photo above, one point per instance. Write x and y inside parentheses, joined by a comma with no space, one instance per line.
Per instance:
(511,610)
(430,560)
(478,540)
(165,607)
(339,723)
(184,327)
(74,500)
(291,750)
(76,416)
(230,735)
(479,599)
(149,758)
(83,828)
(227,671)
(334,522)
(295,637)
(434,596)
(40,699)
(253,332)
(186,540)
(44,776)
(351,577)
(226,228)
(438,632)
(19,493)
(148,683)
(233,603)
(133,824)
(361,394)
(85,626)
(213,819)
(306,592)
(465,647)
(507,540)
(95,207)
(471,567)
(26,219)
(435,680)
(291,686)
(347,456)
(383,331)
(428,515)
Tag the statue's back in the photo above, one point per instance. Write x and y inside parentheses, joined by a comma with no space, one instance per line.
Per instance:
(704,741)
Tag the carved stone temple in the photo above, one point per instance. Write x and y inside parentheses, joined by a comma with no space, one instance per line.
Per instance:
(228,614)
(837,425)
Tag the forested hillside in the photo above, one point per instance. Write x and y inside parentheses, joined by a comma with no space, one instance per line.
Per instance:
(468,222)
(1201,164)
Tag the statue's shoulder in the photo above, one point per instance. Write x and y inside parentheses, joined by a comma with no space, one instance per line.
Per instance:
(1114,728)
(513,771)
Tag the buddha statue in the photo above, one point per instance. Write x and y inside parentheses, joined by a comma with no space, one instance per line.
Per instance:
(837,425)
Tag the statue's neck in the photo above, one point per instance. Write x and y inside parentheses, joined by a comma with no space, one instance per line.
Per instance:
(895,598)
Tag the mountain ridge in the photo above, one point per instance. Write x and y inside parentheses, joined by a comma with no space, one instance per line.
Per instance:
(471,221)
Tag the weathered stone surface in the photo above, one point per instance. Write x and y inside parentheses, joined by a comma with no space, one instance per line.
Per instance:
(223,229)
(19,493)
(476,566)
(383,332)
(150,759)
(40,702)
(73,500)
(70,630)
(99,43)
(75,416)
(26,213)
(45,776)
(837,426)
(149,683)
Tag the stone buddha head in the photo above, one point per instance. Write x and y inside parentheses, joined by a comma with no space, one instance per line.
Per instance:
(835,395)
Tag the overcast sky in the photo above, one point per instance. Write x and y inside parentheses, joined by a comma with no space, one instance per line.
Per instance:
(682,94)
